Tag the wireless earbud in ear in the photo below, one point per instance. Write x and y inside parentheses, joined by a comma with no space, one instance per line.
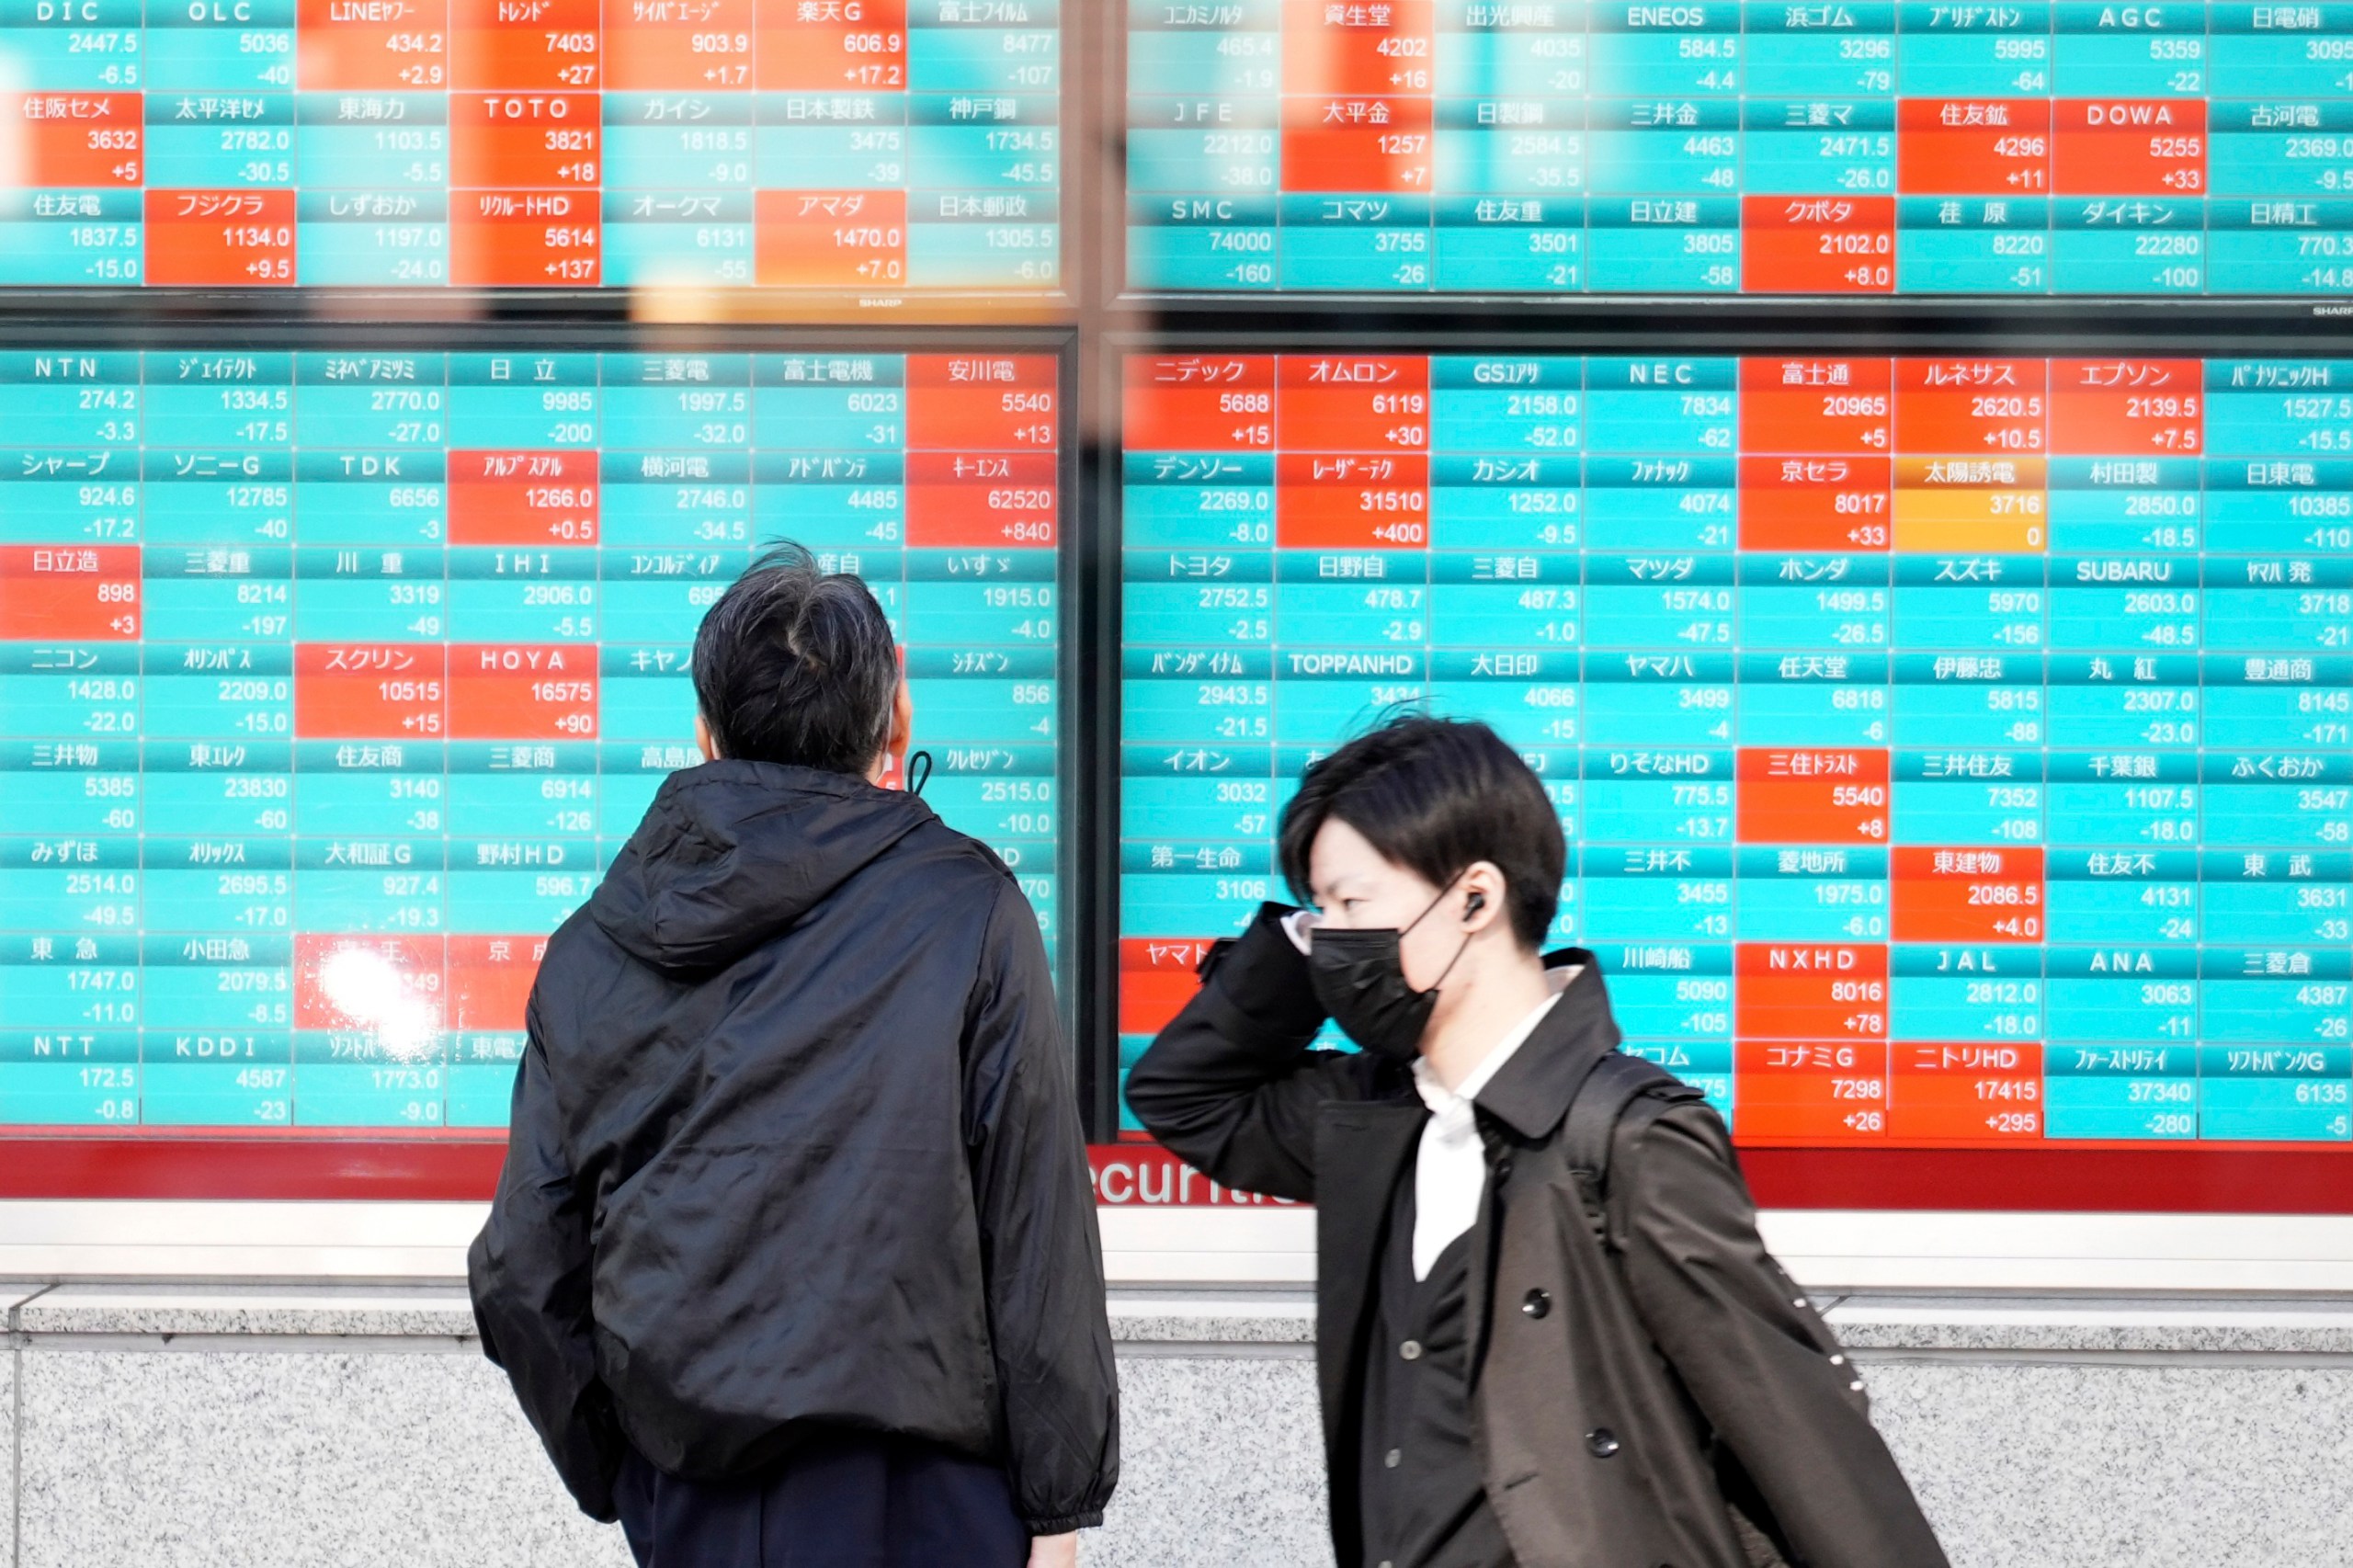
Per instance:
(1472,906)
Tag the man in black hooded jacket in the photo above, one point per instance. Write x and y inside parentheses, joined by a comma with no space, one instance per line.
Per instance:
(793,1258)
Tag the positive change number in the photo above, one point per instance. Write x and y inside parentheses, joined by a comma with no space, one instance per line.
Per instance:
(1765,146)
(1952,751)
(331,681)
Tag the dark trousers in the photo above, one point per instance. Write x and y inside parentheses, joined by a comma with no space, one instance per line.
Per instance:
(842,1500)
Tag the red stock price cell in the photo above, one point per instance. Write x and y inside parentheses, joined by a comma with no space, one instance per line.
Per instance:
(1353,404)
(526,238)
(976,402)
(1157,977)
(829,238)
(1971,407)
(523,498)
(1967,1092)
(369,983)
(75,593)
(221,238)
(992,500)
(86,140)
(372,45)
(1972,146)
(1347,501)
(489,980)
(1811,991)
(1363,147)
(370,691)
(1814,502)
(1817,244)
(1816,405)
(2127,407)
(519,692)
(1386,46)
(1802,796)
(2133,147)
(526,140)
(1967,895)
(832,45)
(1810,1090)
(1200,403)
(526,45)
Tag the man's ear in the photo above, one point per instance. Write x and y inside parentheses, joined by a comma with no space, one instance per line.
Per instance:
(893,759)
(1477,900)
(704,738)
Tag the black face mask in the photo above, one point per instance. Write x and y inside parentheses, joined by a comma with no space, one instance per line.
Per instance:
(1359,977)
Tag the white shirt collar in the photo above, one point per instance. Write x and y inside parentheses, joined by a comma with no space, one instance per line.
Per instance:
(1437,1096)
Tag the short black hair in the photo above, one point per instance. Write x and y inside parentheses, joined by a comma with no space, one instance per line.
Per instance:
(1434,796)
(795,664)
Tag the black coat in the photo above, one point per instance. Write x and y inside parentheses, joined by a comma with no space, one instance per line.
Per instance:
(794,1143)
(1614,1398)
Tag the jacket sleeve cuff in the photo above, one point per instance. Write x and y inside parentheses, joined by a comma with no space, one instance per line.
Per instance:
(1063,1525)
(1264,978)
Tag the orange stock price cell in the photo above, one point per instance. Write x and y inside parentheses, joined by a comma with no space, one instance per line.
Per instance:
(1814,502)
(370,691)
(523,498)
(372,45)
(829,238)
(221,238)
(1360,146)
(832,46)
(1810,1090)
(1818,244)
(2127,407)
(1979,504)
(544,45)
(1811,991)
(1971,407)
(967,402)
(1353,404)
(1803,796)
(989,499)
(1815,405)
(519,141)
(1972,146)
(520,692)
(1383,46)
(1157,977)
(1966,1091)
(1206,402)
(78,593)
(545,238)
(385,985)
(1967,895)
(2131,147)
(679,45)
(1352,501)
(489,980)
(84,139)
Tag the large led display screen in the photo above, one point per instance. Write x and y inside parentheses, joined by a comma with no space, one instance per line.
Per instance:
(855,145)
(330,680)
(1952,750)
(1725,146)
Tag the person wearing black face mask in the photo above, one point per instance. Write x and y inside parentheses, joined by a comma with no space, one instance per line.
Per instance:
(1548,1336)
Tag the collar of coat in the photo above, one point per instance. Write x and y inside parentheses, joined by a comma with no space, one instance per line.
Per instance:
(1530,1093)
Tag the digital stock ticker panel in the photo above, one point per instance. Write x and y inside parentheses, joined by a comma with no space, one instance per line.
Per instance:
(331,679)
(1952,750)
(869,145)
(1764,146)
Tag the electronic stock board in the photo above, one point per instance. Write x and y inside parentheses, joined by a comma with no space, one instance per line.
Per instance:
(867,145)
(1953,751)
(331,679)
(1830,147)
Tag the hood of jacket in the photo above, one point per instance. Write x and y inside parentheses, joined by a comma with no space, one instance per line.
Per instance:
(733,852)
